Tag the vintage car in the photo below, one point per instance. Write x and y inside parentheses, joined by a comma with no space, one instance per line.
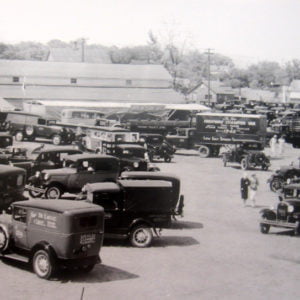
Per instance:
(287,212)
(78,170)
(157,146)
(137,208)
(184,138)
(53,234)
(282,175)
(30,126)
(133,157)
(246,157)
(12,182)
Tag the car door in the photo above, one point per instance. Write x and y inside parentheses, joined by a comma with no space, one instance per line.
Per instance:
(20,216)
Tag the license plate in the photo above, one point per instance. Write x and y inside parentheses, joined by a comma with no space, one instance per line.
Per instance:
(87,238)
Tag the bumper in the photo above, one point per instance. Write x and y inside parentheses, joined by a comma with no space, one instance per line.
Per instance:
(33,188)
(71,263)
(277,223)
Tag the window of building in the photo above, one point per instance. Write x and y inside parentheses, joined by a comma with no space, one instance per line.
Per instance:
(128,82)
(73,80)
(16,79)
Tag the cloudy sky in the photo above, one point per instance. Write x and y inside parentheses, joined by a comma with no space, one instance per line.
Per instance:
(254,29)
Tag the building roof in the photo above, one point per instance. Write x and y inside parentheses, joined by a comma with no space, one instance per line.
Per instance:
(91,55)
(258,95)
(23,68)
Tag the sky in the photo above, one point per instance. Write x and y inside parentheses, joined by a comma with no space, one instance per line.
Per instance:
(246,29)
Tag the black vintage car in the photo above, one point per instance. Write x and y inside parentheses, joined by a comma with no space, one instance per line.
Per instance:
(246,157)
(78,170)
(287,212)
(158,147)
(137,208)
(133,157)
(282,175)
(12,182)
(31,126)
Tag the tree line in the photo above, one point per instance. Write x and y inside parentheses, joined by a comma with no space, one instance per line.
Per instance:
(187,67)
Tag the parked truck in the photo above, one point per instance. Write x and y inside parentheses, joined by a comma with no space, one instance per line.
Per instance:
(214,130)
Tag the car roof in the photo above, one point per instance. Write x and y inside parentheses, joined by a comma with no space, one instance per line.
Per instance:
(102,186)
(60,149)
(144,183)
(7,170)
(57,205)
(83,156)
(130,146)
(150,175)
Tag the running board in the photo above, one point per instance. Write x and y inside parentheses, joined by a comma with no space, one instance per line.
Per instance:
(16,257)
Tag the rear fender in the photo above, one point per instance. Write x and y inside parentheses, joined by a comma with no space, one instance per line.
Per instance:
(140,221)
(43,245)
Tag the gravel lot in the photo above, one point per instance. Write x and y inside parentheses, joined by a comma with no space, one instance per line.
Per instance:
(215,252)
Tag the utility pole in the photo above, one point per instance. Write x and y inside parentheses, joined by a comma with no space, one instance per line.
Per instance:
(82,42)
(208,52)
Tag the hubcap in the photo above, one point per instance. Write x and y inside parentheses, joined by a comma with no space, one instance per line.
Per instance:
(42,264)
(53,193)
(141,236)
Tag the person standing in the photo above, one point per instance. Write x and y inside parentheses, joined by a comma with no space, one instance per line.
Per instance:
(273,143)
(253,188)
(281,145)
(245,182)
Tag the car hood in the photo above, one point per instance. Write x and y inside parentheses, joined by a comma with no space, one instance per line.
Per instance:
(61,171)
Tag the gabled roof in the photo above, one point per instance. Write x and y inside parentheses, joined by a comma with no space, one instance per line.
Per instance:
(23,68)
(97,55)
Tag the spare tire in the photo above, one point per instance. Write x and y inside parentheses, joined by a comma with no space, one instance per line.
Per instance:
(29,130)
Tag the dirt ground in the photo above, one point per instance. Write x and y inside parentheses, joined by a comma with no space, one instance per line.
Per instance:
(215,251)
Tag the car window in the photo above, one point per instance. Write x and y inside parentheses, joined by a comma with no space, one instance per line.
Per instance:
(20,214)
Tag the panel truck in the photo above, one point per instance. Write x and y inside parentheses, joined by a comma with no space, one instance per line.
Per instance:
(214,130)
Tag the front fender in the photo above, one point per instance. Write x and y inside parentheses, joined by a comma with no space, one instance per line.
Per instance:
(268,214)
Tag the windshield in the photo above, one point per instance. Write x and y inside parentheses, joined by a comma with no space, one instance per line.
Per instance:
(133,152)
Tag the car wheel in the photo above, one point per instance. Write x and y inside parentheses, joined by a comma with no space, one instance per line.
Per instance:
(141,236)
(204,151)
(4,238)
(43,264)
(264,228)
(56,140)
(167,158)
(276,184)
(19,136)
(53,192)
(244,164)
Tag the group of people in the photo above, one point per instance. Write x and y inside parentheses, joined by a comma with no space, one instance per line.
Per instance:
(249,186)
(277,145)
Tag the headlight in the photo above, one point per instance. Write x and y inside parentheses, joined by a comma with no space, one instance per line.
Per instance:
(290,208)
(46,176)
(37,174)
(136,164)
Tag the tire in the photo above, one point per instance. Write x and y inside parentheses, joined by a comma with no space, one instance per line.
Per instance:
(43,264)
(167,158)
(4,239)
(29,130)
(264,228)
(276,184)
(265,167)
(204,151)
(56,140)
(141,236)
(19,136)
(53,192)
(244,164)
